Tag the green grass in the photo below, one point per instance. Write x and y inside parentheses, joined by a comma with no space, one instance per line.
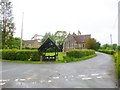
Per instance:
(68,59)
(26,62)
(60,55)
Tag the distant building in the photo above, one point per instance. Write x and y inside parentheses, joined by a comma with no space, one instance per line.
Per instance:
(32,43)
(73,41)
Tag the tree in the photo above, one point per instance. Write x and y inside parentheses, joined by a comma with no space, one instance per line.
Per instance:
(48,35)
(59,38)
(6,22)
(92,44)
(118,48)
(114,47)
(15,43)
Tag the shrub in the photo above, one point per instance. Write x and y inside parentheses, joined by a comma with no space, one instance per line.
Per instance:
(107,51)
(117,63)
(79,53)
(32,55)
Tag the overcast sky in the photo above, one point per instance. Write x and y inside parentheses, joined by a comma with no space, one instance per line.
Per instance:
(96,17)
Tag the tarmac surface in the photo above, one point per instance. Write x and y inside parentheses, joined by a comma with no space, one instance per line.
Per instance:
(97,72)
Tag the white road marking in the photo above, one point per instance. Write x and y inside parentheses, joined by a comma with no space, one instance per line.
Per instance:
(2,83)
(4,80)
(99,77)
(19,79)
(49,81)
(16,79)
(86,78)
(94,74)
(22,79)
(55,77)
(81,75)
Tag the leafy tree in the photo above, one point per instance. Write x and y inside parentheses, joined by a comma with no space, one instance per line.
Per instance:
(59,38)
(92,44)
(118,48)
(114,46)
(48,35)
(15,43)
(6,22)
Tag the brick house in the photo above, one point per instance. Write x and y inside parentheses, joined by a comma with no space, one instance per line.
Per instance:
(75,41)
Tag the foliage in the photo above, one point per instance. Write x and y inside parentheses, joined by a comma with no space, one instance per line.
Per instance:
(92,44)
(59,38)
(76,53)
(6,23)
(110,47)
(111,52)
(48,35)
(118,48)
(30,55)
(66,59)
(117,63)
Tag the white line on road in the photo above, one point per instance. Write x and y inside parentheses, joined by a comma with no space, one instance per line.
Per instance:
(49,81)
(19,79)
(4,80)
(81,75)
(2,83)
(86,78)
(94,74)
(99,77)
(55,77)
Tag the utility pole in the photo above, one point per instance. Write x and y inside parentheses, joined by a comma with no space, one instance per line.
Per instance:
(111,39)
(22,31)
(119,23)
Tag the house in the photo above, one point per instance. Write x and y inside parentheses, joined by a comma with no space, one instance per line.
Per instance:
(32,43)
(75,41)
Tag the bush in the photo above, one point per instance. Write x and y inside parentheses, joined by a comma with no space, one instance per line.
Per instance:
(79,53)
(117,63)
(30,55)
(111,52)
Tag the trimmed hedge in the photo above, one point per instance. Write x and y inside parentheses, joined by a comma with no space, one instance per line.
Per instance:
(107,51)
(76,53)
(29,55)
(117,63)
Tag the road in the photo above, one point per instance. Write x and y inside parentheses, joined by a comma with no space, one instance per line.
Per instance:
(97,72)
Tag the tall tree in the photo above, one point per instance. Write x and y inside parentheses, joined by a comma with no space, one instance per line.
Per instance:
(59,38)
(92,44)
(6,21)
(48,35)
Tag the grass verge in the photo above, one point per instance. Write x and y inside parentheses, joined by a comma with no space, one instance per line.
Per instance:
(26,62)
(68,59)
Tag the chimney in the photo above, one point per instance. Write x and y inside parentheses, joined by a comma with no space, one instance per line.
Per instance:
(79,33)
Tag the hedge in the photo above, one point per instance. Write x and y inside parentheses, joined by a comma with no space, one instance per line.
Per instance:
(30,55)
(107,51)
(117,63)
(76,53)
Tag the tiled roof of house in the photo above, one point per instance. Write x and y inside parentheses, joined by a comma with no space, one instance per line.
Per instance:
(81,38)
(27,42)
